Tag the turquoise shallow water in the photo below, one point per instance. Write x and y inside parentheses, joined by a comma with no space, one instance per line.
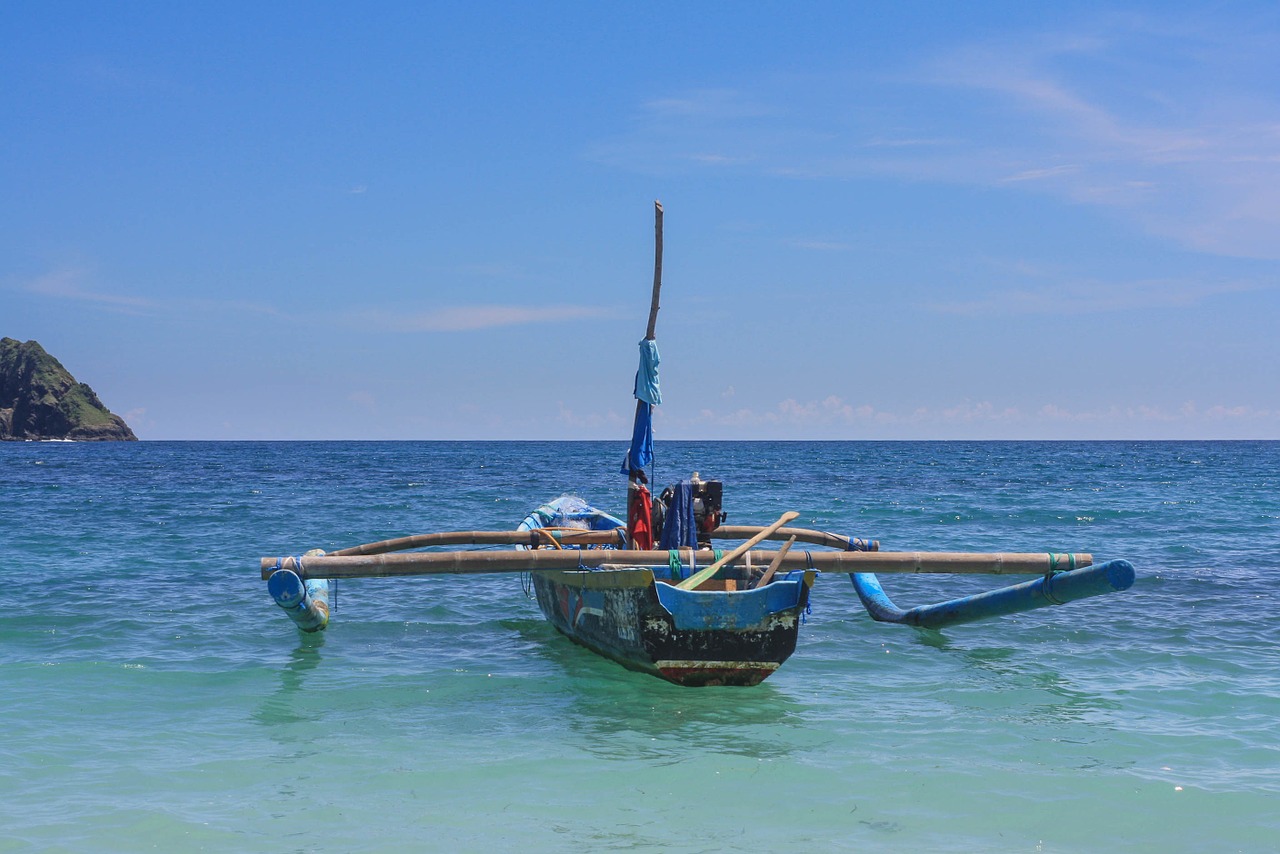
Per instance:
(152,696)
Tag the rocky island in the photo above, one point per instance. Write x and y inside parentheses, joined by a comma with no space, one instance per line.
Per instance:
(39,399)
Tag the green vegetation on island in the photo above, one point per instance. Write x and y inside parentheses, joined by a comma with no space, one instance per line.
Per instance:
(39,399)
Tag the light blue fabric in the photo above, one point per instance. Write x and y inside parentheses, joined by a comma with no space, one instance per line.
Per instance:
(647,376)
(648,395)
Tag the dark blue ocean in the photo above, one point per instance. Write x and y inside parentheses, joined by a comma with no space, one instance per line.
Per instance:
(153,697)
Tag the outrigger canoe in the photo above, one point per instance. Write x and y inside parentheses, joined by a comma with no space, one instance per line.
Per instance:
(723,633)
(654,594)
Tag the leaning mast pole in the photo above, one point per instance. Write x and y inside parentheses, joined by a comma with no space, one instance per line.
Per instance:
(650,335)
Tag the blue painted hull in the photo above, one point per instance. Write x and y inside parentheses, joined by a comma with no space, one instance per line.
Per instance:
(690,637)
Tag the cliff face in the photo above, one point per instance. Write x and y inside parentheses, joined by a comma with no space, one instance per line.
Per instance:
(39,399)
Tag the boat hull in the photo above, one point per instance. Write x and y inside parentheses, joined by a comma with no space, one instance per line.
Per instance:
(690,638)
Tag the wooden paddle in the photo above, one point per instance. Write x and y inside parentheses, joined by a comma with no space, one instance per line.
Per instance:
(703,574)
(775,563)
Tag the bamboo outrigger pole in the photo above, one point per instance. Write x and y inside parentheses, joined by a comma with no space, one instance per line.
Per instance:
(576,537)
(536,560)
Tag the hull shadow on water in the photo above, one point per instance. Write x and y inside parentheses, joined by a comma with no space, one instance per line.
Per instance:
(285,705)
(1017,689)
(626,715)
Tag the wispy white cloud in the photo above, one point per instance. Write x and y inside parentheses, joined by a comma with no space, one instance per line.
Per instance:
(1188,413)
(1172,124)
(709,104)
(829,411)
(75,284)
(820,245)
(720,128)
(237,307)
(1093,297)
(907,142)
(469,318)
(1146,124)
(718,158)
(1041,174)
(591,421)
(78,285)
(69,284)
(833,416)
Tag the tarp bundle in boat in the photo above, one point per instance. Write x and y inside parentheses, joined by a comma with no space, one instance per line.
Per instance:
(569,511)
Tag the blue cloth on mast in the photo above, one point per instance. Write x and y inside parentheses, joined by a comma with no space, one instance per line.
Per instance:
(679,527)
(641,454)
(648,395)
(647,376)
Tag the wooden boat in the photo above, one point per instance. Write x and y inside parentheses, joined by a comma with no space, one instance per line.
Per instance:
(653,594)
(722,633)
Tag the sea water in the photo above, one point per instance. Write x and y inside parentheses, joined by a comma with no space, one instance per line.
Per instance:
(152,697)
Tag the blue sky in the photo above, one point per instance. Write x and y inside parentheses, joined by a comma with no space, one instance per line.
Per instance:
(434,221)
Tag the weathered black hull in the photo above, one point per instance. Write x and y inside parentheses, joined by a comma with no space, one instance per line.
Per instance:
(692,638)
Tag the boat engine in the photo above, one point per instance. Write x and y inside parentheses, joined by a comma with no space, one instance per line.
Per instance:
(708,508)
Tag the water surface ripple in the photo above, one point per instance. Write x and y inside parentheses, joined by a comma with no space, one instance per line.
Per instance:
(153,695)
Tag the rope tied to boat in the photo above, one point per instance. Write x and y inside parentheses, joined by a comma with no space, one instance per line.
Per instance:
(1046,587)
(808,604)
(676,565)
(542,533)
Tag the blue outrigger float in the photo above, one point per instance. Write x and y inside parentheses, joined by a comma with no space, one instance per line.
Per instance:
(633,591)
